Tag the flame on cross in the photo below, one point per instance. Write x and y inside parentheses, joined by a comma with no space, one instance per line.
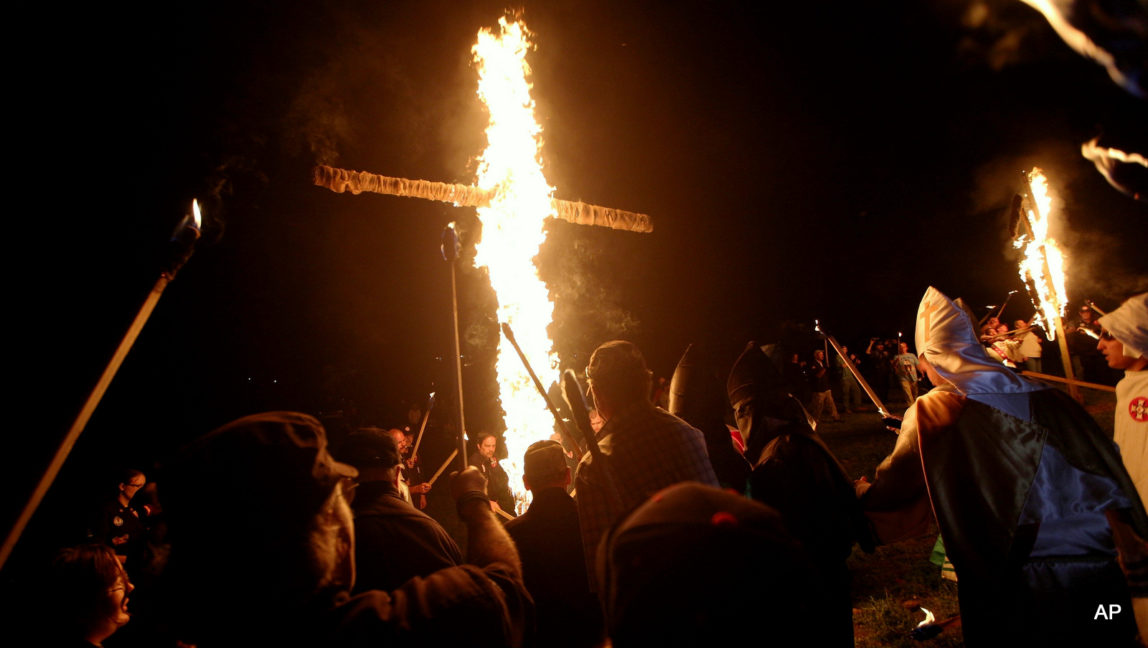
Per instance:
(512,232)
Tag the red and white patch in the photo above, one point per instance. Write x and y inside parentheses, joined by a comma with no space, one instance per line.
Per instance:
(1138,409)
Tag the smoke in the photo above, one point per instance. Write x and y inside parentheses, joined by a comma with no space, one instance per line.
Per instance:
(317,119)
(1102,266)
(997,181)
(576,264)
(219,188)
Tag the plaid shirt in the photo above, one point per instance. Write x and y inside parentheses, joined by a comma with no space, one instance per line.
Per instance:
(648,449)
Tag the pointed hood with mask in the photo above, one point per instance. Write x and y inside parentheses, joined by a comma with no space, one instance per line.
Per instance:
(793,470)
(696,397)
(947,338)
(1129,325)
(761,400)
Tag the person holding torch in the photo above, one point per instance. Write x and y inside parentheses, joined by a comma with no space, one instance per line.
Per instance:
(1037,512)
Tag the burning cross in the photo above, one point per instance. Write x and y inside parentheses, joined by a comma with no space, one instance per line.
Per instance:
(512,197)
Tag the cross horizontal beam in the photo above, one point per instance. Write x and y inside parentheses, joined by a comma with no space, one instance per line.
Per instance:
(340,180)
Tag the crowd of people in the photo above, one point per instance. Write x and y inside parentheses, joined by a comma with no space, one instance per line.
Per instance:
(890,368)
(675,528)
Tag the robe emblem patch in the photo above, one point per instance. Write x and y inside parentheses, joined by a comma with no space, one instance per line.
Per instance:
(1138,409)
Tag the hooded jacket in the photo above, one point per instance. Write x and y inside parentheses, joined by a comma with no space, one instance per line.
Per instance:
(1019,478)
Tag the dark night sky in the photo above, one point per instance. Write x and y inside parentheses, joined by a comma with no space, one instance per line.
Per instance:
(799,163)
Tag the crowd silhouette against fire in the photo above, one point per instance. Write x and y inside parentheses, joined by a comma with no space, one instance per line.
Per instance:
(701,505)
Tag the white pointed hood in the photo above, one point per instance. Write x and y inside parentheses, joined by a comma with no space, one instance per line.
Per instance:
(947,339)
(1129,324)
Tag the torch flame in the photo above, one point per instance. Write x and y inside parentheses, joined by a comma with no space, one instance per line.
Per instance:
(195,213)
(512,232)
(1042,265)
(929,618)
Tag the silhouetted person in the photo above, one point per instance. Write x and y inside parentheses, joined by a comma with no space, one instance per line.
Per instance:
(263,551)
(549,540)
(795,473)
(394,541)
(120,524)
(698,398)
(822,393)
(697,566)
(644,449)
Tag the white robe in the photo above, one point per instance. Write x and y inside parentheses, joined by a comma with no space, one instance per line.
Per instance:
(1131,427)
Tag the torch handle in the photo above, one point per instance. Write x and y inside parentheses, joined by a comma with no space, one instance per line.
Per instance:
(860,379)
(572,392)
(506,330)
(423,425)
(1092,305)
(81,420)
(1008,297)
(453,454)
(448,232)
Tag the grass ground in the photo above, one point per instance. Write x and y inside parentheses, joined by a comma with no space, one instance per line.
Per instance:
(895,581)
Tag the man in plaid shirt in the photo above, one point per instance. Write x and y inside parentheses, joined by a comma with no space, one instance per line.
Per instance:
(644,448)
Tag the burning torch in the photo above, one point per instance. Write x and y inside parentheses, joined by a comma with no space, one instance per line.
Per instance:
(182,245)
(1042,268)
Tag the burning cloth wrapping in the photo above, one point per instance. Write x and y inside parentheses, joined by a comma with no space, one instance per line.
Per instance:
(1019,478)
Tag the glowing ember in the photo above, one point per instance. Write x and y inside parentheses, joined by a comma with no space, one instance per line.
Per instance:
(512,233)
(1042,266)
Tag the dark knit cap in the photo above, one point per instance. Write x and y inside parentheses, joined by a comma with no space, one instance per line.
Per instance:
(370,447)
(693,564)
(260,470)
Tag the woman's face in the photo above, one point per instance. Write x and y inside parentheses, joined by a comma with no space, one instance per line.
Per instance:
(119,599)
(115,613)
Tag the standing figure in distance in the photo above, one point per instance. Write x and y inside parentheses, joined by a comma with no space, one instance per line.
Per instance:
(497,481)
